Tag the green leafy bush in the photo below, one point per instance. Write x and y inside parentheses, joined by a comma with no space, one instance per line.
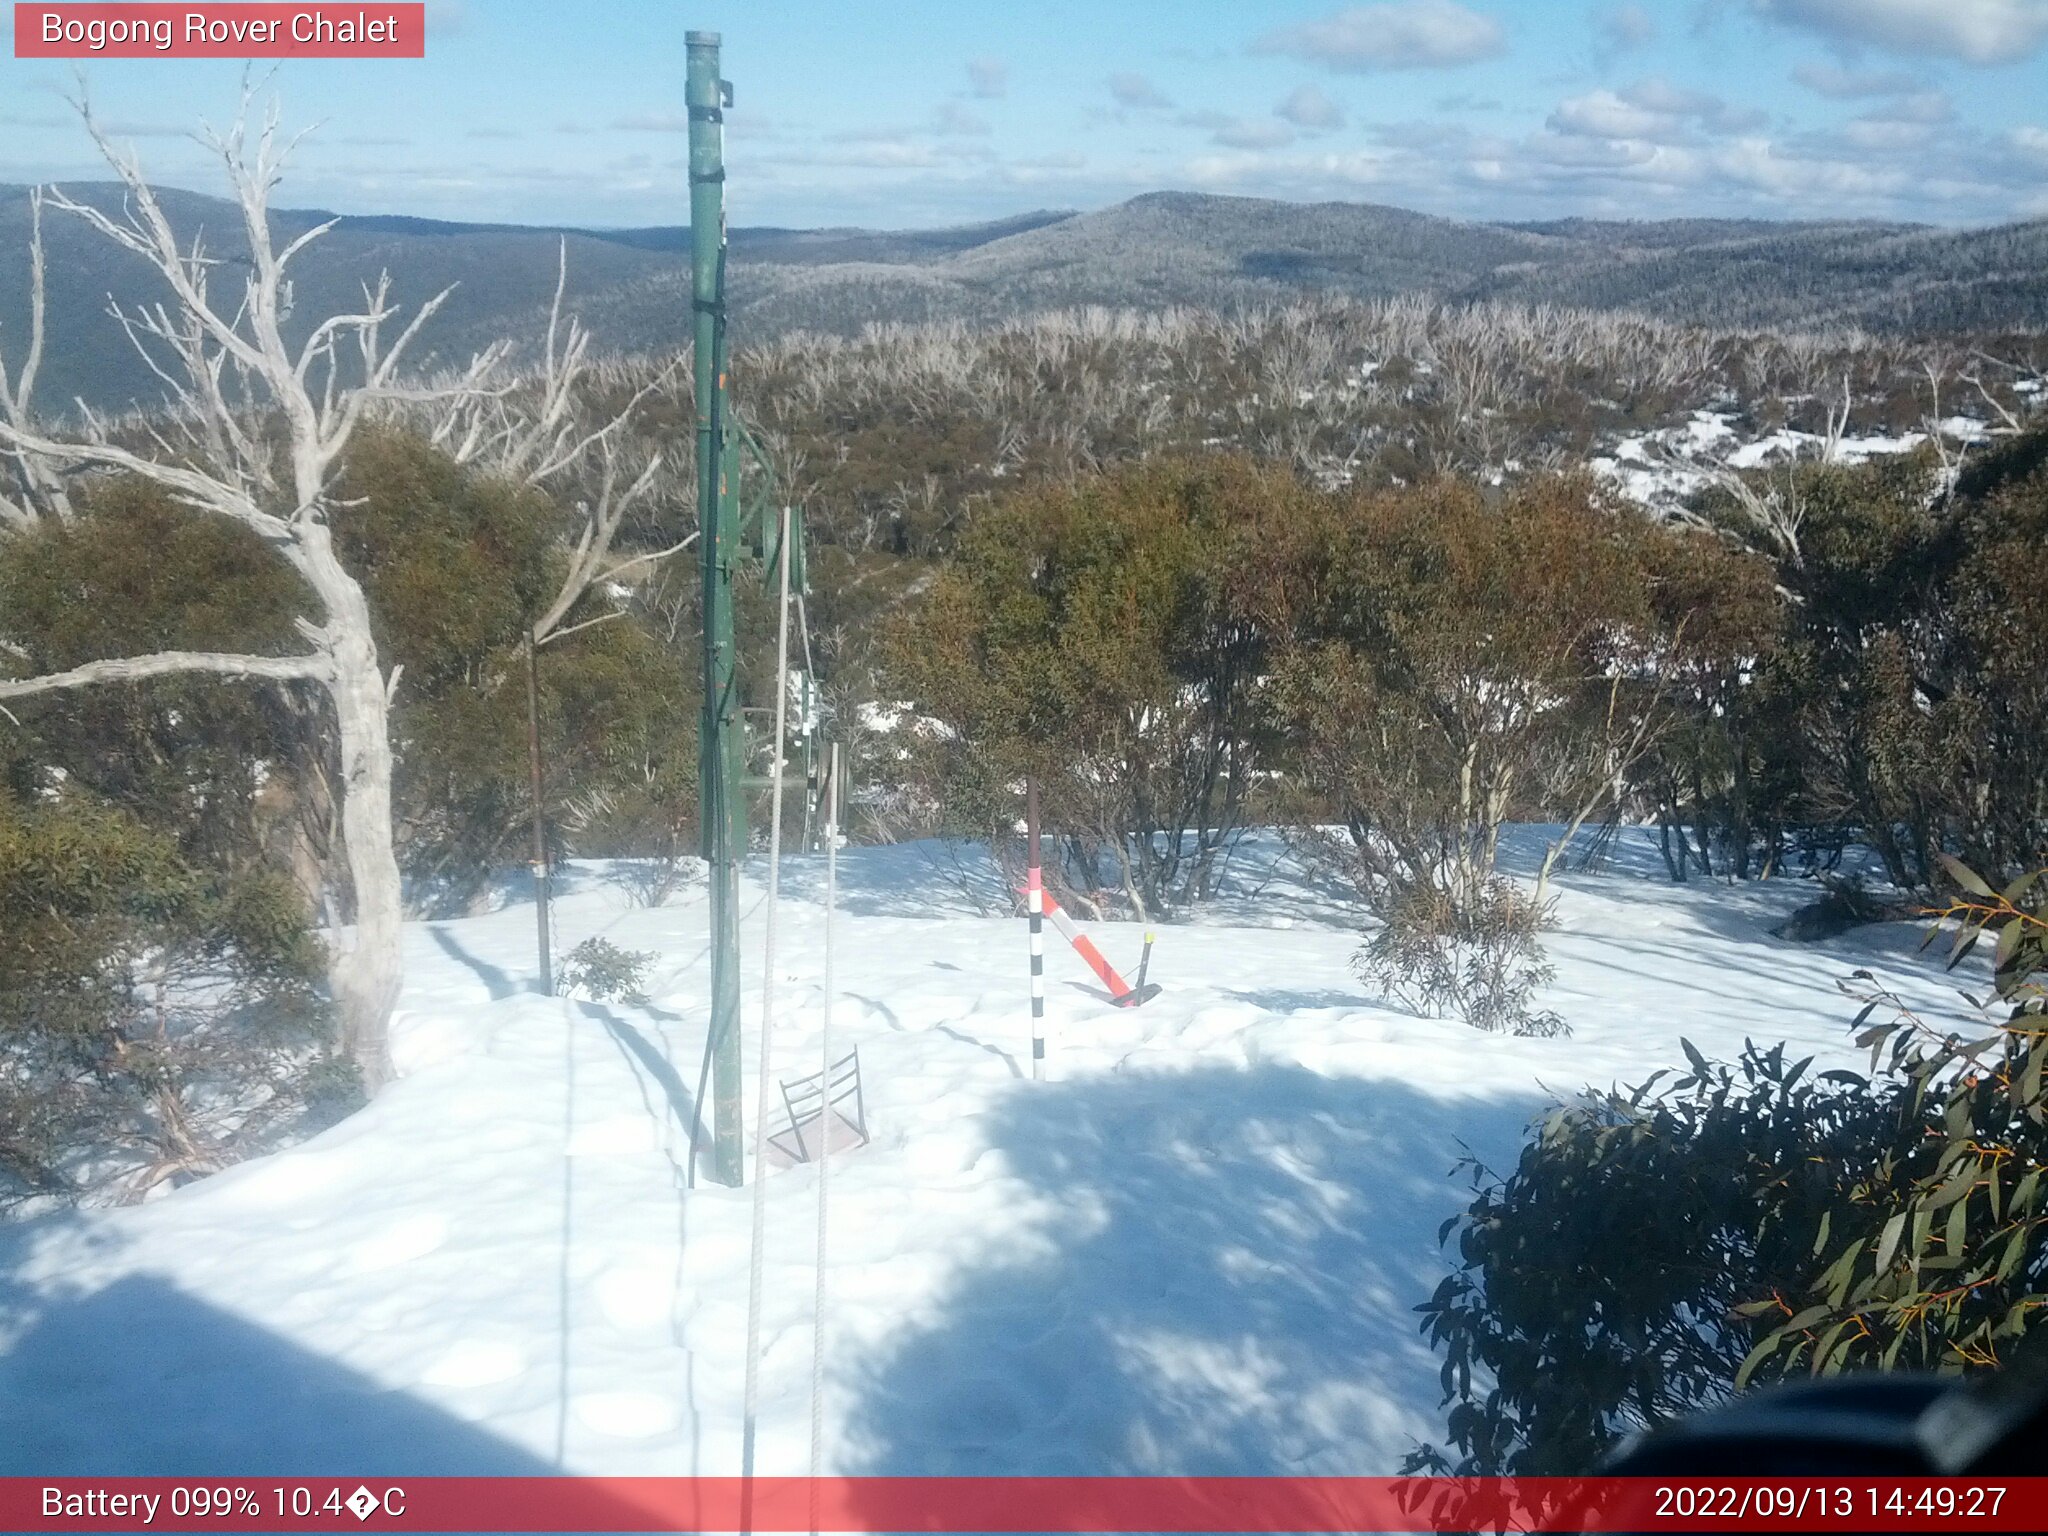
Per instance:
(458,565)
(605,973)
(157,1021)
(1895,694)
(1102,635)
(1654,1250)
(1939,1252)
(1454,661)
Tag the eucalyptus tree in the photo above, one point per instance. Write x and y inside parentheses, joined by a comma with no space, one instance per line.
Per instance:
(254,431)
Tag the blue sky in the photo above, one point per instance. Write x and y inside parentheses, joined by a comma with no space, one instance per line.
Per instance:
(916,114)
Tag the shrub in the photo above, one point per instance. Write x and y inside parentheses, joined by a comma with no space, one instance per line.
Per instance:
(204,759)
(457,566)
(605,973)
(1725,780)
(157,1021)
(1453,663)
(1654,1250)
(1100,635)
(1481,963)
(1901,700)
(1937,1254)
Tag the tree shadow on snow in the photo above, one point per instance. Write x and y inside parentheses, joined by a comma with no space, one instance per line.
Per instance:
(1215,1273)
(649,1062)
(496,978)
(140,1379)
(928,877)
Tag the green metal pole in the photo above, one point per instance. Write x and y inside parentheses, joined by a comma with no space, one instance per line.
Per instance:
(718,792)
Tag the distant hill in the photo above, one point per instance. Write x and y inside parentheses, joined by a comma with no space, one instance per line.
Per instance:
(1160,249)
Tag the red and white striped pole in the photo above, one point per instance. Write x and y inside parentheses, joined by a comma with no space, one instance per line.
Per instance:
(1034,896)
(1121,992)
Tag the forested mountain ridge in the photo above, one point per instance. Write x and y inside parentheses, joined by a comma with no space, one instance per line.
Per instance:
(1154,251)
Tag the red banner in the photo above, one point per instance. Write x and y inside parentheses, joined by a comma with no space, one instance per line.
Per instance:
(1020,1504)
(217,31)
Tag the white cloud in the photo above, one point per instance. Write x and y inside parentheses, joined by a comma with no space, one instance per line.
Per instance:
(1064,160)
(1905,122)
(988,77)
(1134,90)
(1760,164)
(1398,34)
(2031,141)
(1604,115)
(1307,107)
(1578,152)
(1654,110)
(1627,26)
(1252,134)
(1294,175)
(1848,84)
(1660,95)
(881,154)
(1979,31)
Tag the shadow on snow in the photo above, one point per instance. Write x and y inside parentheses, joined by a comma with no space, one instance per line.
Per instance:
(155,1382)
(1220,1279)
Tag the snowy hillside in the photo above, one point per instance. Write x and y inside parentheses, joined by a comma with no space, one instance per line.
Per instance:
(1195,1249)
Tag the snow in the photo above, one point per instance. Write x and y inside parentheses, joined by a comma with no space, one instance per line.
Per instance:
(1194,1249)
(879,719)
(1662,468)
(1787,445)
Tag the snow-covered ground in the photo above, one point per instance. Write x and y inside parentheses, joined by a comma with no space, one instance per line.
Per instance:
(1194,1249)
(1662,468)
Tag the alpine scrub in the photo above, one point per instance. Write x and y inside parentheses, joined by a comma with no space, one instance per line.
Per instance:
(1938,1260)
(1656,1249)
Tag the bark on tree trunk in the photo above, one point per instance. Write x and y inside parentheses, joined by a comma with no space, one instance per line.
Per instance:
(365,978)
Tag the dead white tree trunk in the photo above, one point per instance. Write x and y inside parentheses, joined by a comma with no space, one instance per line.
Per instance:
(365,976)
(34,489)
(253,434)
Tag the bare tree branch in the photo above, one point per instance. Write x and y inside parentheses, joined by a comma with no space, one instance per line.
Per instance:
(587,565)
(206,492)
(129,669)
(561,634)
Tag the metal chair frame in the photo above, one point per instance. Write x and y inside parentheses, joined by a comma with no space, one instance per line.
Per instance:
(822,1091)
